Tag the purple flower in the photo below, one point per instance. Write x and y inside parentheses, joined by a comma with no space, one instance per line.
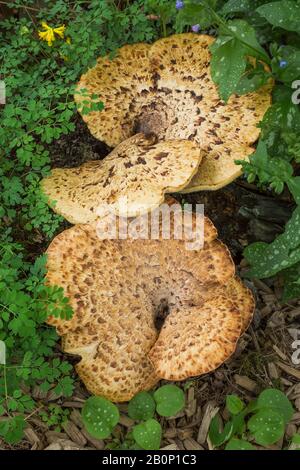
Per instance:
(196,28)
(179,5)
(283,64)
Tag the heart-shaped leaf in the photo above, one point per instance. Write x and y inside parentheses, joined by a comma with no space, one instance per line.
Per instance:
(274,399)
(169,400)
(100,416)
(141,407)
(148,434)
(267,427)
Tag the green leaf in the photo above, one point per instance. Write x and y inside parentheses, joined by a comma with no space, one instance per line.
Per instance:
(296,439)
(141,407)
(276,400)
(148,434)
(169,400)
(266,426)
(246,35)
(294,187)
(227,67)
(100,416)
(252,81)
(234,404)
(267,260)
(12,429)
(284,14)
(239,444)
(216,436)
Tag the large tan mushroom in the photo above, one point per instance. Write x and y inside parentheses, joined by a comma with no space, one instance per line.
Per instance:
(132,180)
(167,89)
(121,290)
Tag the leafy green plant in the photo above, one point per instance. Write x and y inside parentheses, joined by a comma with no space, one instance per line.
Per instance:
(261,422)
(100,416)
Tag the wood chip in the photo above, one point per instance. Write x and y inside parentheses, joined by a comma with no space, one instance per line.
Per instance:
(53,436)
(170,447)
(33,438)
(126,421)
(291,429)
(76,418)
(73,404)
(273,371)
(74,433)
(191,406)
(246,383)
(293,314)
(296,418)
(191,444)
(289,370)
(185,433)
(170,433)
(210,411)
(297,404)
(63,444)
(262,286)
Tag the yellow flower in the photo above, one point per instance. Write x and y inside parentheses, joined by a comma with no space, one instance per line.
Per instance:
(49,34)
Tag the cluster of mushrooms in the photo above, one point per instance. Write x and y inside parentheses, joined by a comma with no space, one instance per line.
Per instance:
(170,132)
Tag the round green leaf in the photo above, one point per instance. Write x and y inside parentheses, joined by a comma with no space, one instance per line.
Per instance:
(267,427)
(239,444)
(274,399)
(141,407)
(148,434)
(169,400)
(100,416)
(234,404)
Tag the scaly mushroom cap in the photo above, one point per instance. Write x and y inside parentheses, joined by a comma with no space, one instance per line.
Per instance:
(121,289)
(133,179)
(172,95)
(208,333)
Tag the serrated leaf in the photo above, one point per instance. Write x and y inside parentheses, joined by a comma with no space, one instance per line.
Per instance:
(283,14)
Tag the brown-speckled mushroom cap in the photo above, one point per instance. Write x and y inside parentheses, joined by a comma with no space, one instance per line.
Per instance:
(208,335)
(133,179)
(120,290)
(173,96)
